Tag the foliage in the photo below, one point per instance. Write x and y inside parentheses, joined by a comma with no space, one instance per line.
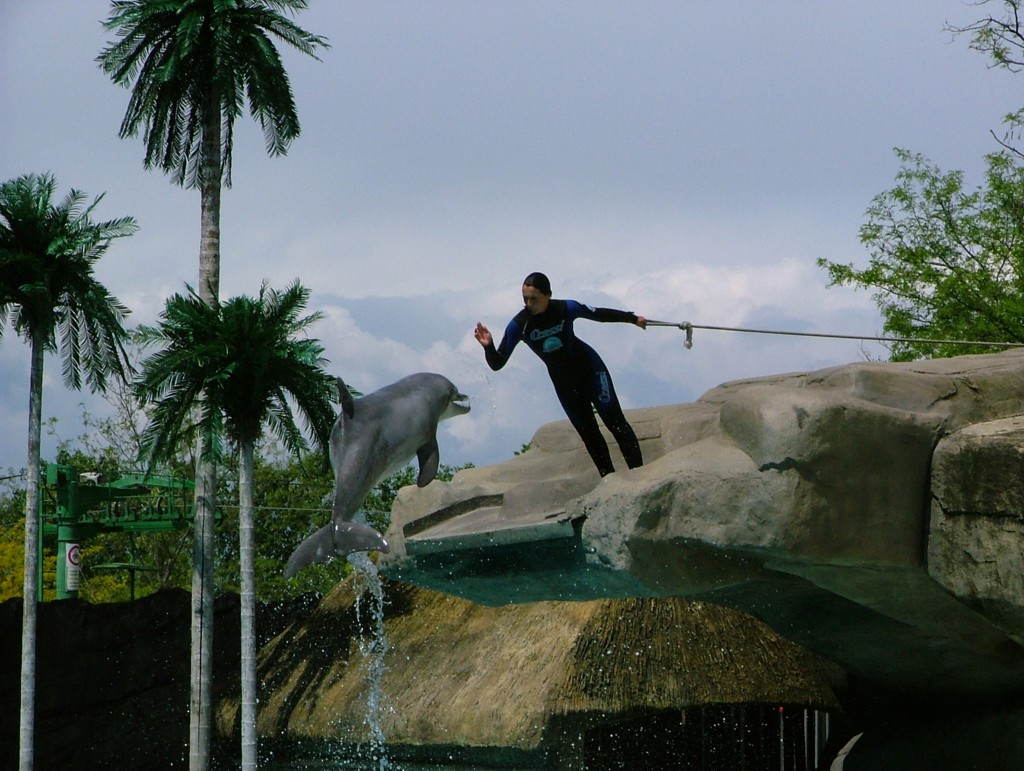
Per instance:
(1002,39)
(12,552)
(12,560)
(242,356)
(946,263)
(196,63)
(48,293)
(47,287)
(289,492)
(12,540)
(113,444)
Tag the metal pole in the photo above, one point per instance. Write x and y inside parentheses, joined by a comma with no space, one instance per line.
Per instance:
(69,562)
(68,553)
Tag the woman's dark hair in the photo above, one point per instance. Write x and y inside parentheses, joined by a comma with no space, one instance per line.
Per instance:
(539,282)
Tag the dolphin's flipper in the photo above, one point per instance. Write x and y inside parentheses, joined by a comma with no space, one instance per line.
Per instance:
(335,539)
(429,457)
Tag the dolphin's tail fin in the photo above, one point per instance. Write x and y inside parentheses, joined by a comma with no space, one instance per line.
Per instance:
(334,540)
(318,547)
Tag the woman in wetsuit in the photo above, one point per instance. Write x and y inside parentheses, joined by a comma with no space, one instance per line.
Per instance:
(580,378)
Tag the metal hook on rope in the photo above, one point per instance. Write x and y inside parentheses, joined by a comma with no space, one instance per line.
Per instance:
(686,326)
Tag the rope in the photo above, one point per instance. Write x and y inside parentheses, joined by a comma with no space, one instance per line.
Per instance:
(687,327)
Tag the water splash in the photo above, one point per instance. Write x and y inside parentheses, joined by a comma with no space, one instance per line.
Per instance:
(369,607)
(492,392)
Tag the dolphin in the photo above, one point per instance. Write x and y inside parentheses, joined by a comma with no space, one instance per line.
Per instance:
(373,437)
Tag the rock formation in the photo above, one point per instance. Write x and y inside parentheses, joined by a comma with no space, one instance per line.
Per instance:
(873,512)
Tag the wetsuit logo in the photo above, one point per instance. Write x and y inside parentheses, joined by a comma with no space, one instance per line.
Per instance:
(540,334)
(551,345)
(550,337)
(605,394)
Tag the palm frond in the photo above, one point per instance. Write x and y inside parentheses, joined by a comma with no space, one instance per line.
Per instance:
(248,359)
(177,56)
(47,286)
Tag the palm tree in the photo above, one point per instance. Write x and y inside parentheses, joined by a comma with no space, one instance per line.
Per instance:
(47,252)
(194,64)
(245,360)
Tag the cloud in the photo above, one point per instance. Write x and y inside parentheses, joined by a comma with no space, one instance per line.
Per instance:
(687,161)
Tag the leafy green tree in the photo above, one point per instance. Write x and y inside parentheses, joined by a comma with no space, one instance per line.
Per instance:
(12,544)
(250,361)
(12,536)
(946,262)
(48,290)
(192,66)
(12,559)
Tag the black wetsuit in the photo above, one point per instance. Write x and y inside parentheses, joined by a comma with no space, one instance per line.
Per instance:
(580,377)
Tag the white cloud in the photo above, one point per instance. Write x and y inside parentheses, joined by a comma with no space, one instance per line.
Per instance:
(688,161)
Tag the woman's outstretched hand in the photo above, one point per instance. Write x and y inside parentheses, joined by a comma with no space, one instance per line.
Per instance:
(483,335)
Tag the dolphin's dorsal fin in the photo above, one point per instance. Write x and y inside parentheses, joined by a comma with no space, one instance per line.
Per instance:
(348,405)
(428,456)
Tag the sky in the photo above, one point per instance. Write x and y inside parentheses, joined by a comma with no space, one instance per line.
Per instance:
(687,160)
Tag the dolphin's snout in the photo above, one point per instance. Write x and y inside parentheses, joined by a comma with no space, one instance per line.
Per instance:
(461,403)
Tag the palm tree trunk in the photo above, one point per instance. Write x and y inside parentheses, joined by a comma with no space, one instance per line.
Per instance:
(247,554)
(206,470)
(209,193)
(202,616)
(31,583)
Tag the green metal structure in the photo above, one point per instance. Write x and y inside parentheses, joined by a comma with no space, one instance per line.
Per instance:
(77,506)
